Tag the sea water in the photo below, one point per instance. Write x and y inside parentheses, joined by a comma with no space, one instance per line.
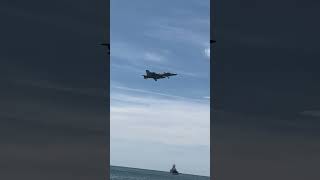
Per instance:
(124,173)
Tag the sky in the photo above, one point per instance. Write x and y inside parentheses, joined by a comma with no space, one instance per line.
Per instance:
(53,84)
(155,124)
(266,90)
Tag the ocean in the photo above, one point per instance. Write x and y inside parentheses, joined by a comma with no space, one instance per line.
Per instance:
(125,173)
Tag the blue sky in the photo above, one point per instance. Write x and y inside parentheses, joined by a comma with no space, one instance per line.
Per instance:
(155,124)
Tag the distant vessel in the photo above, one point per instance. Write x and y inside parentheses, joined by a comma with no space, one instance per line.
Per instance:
(173,170)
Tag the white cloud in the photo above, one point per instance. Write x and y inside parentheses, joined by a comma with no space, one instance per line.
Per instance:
(183,28)
(127,67)
(207,52)
(151,56)
(121,87)
(180,34)
(136,60)
(187,31)
(145,91)
(163,120)
(131,53)
(124,51)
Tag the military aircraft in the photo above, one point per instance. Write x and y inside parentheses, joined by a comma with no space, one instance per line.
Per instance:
(157,76)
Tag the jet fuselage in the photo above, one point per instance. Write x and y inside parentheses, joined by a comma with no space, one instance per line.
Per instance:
(156,76)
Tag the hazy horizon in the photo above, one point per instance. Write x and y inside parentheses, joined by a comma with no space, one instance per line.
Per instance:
(155,170)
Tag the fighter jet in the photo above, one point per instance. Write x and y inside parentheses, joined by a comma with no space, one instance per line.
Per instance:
(157,76)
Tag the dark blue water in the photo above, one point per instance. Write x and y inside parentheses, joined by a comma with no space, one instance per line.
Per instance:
(121,173)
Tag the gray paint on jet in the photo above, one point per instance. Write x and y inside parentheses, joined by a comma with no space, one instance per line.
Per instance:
(156,76)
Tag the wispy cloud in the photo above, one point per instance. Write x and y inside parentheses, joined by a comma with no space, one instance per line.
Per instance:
(133,54)
(121,87)
(182,28)
(152,56)
(136,60)
(207,52)
(131,68)
(161,119)
(178,34)
(184,31)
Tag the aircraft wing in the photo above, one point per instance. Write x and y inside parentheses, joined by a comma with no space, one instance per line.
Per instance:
(168,74)
(160,76)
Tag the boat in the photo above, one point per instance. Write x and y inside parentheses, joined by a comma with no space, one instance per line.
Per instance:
(173,170)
